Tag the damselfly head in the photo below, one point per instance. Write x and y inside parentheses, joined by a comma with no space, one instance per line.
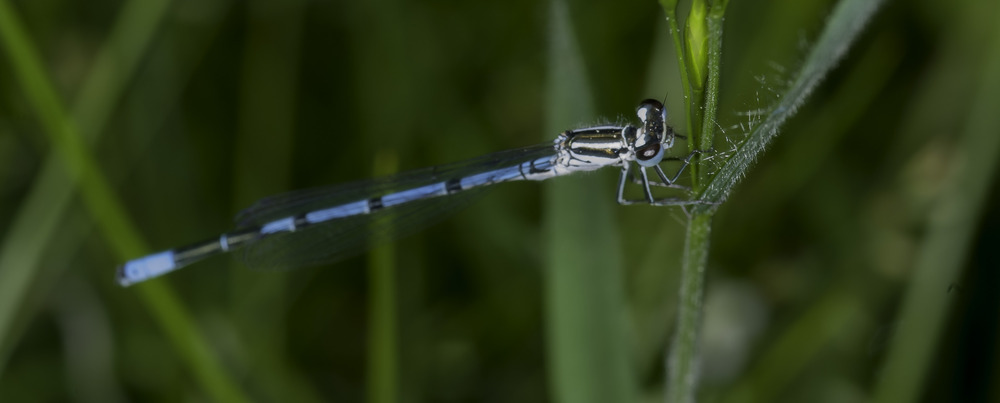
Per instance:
(652,110)
(649,141)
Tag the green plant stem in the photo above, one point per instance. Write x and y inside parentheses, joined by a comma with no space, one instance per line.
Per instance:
(705,48)
(670,9)
(107,211)
(842,29)
(682,368)
(952,226)
(714,20)
(695,47)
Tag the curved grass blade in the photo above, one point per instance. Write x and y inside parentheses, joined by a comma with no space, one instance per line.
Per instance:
(842,29)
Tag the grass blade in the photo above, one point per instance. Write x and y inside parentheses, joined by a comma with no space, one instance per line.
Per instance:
(953,223)
(587,340)
(383,312)
(105,207)
(37,219)
(841,30)
(268,107)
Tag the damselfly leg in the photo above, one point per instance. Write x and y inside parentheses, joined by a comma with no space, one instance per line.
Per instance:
(648,193)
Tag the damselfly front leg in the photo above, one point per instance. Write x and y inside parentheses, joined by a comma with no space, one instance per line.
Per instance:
(649,199)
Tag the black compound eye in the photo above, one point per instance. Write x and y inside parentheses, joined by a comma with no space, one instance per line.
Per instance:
(649,151)
(649,155)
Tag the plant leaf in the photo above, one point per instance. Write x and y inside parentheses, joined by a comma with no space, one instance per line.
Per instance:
(842,29)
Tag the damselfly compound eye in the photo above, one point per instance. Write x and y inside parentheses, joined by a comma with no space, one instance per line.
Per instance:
(649,155)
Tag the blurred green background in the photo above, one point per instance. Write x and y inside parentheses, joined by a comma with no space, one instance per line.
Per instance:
(193,109)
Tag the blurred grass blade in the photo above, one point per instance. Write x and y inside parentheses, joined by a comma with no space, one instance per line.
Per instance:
(842,29)
(846,22)
(383,313)
(104,206)
(268,104)
(589,354)
(40,213)
(803,342)
(953,223)
(797,346)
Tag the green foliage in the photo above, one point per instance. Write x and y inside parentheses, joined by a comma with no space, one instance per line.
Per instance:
(854,261)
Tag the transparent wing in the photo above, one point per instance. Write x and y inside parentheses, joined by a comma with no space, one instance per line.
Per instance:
(337,239)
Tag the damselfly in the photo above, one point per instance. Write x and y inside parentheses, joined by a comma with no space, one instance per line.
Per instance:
(316,226)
